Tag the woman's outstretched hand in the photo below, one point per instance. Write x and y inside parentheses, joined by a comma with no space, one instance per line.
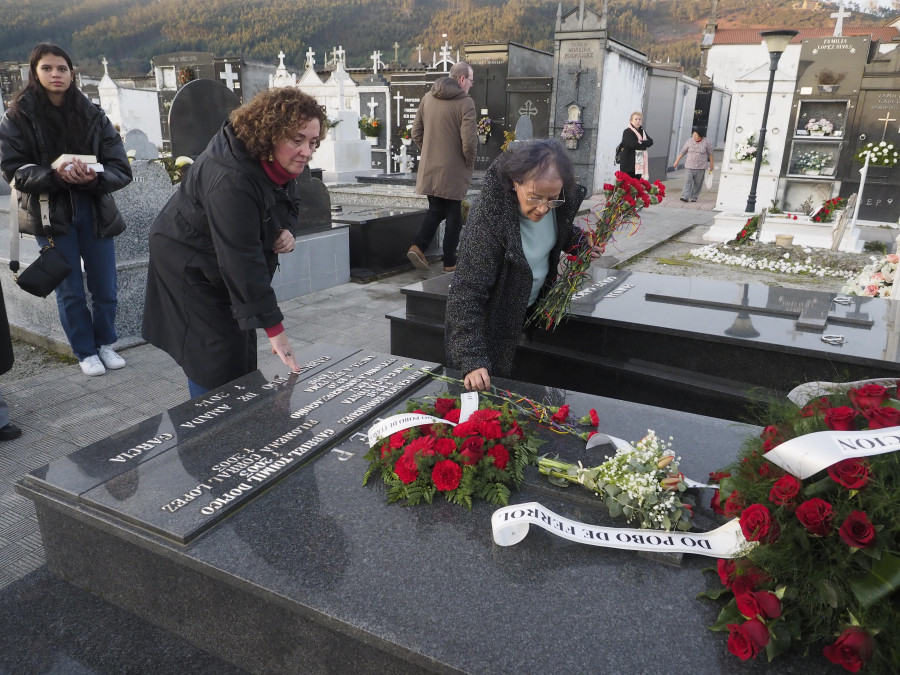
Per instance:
(282,347)
(478,379)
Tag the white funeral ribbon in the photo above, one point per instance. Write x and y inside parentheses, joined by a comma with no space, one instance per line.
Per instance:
(395,423)
(806,392)
(510,525)
(806,455)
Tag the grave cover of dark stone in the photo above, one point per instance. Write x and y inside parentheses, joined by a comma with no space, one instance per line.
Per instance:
(198,111)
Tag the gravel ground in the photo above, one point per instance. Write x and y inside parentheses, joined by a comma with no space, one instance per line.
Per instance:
(672,258)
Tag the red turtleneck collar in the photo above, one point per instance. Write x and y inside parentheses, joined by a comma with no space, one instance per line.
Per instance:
(276,172)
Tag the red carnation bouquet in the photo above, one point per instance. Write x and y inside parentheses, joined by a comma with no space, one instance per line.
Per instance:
(827,565)
(482,457)
(620,213)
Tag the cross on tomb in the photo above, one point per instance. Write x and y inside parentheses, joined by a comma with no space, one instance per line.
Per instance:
(577,73)
(528,109)
(396,48)
(310,58)
(371,105)
(445,54)
(886,119)
(840,15)
(105,63)
(419,48)
(376,61)
(398,98)
(281,56)
(230,77)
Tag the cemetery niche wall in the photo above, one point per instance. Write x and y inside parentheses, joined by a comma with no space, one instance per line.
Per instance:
(239,521)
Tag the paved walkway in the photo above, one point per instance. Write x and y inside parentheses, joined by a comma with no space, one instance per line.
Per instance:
(49,626)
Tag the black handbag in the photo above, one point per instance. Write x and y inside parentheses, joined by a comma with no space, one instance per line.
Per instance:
(42,276)
(620,151)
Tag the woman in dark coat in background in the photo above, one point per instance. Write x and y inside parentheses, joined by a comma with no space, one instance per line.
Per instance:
(214,246)
(510,250)
(634,139)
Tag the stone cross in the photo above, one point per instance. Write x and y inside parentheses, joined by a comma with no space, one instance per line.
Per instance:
(105,63)
(528,110)
(376,61)
(398,98)
(445,55)
(229,76)
(396,48)
(310,58)
(338,54)
(281,56)
(886,119)
(419,48)
(372,104)
(840,15)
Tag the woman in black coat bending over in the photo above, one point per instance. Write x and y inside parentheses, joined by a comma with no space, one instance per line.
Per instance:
(634,141)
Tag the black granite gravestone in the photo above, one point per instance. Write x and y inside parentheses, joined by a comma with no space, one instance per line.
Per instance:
(316,573)
(198,111)
(707,347)
(379,238)
(315,202)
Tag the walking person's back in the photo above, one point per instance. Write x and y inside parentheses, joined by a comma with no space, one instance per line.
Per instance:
(446,132)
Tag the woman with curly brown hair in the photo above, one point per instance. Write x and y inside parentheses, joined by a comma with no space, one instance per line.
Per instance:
(214,246)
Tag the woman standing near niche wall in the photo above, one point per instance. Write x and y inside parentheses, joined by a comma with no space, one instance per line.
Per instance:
(50,117)
(635,141)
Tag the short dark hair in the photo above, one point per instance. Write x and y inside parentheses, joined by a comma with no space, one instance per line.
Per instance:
(700,131)
(272,116)
(534,159)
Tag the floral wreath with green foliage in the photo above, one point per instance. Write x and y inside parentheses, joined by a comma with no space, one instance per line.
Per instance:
(484,126)
(749,230)
(369,126)
(826,567)
(879,154)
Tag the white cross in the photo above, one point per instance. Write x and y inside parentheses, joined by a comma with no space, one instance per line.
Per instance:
(445,54)
(398,98)
(310,58)
(376,61)
(528,109)
(840,15)
(372,104)
(105,63)
(419,47)
(281,56)
(396,47)
(886,119)
(339,54)
(230,78)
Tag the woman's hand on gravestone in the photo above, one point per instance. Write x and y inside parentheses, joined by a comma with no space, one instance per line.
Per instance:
(282,348)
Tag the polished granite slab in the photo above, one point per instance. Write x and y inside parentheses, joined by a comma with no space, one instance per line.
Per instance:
(379,238)
(319,573)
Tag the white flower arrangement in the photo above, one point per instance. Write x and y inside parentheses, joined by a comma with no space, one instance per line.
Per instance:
(876,279)
(784,264)
(813,160)
(880,154)
(822,125)
(747,150)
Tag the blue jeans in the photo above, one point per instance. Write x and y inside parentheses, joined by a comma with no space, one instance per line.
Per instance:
(196,389)
(87,329)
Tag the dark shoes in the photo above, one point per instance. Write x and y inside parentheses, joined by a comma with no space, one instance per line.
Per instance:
(417,258)
(10,432)
(683,199)
(452,268)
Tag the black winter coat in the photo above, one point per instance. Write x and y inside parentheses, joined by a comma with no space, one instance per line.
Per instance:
(24,158)
(631,143)
(6,351)
(209,282)
(488,300)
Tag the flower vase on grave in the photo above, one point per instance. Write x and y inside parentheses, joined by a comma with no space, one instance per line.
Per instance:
(572,143)
(406,141)
(482,138)
(811,172)
(373,140)
(817,133)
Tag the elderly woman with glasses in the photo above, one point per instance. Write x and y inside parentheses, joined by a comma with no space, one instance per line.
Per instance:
(510,250)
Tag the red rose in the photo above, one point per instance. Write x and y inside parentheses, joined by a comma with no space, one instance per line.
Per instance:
(816,515)
(815,407)
(841,419)
(443,405)
(733,504)
(727,570)
(445,446)
(758,603)
(500,455)
(882,418)
(852,650)
(472,450)
(757,524)
(406,468)
(868,396)
(852,473)
(747,639)
(857,531)
(784,491)
(715,504)
(453,415)
(765,470)
(446,475)
(717,476)
(561,415)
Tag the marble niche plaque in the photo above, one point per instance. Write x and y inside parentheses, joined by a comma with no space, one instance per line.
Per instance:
(181,472)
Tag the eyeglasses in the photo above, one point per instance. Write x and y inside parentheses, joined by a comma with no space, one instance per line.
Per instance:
(540,201)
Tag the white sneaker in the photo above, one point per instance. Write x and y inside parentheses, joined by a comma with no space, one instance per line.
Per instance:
(110,359)
(92,366)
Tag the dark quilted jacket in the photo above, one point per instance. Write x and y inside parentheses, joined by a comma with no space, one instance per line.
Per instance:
(488,300)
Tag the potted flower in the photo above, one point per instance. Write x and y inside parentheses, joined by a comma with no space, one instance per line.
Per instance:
(484,129)
(879,154)
(746,151)
(370,128)
(571,132)
(813,162)
(820,127)
(829,80)
(406,136)
(185,75)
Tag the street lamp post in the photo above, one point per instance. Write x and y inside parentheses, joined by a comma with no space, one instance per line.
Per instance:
(776,42)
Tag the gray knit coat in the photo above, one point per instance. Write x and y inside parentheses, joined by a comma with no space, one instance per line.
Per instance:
(488,299)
